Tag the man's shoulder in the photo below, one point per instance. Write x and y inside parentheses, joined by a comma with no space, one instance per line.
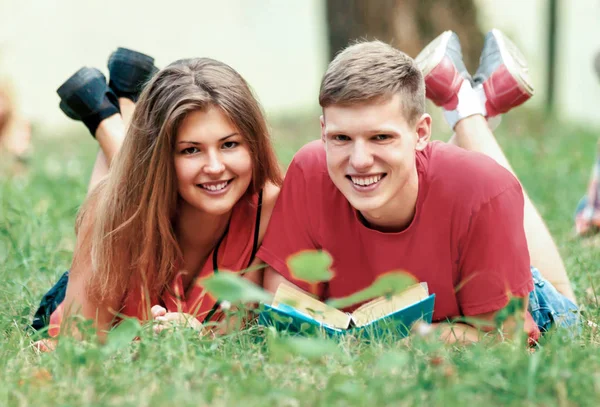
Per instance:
(311,152)
(456,172)
(310,159)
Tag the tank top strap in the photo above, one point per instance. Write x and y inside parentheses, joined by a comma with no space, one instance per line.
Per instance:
(234,251)
(257,206)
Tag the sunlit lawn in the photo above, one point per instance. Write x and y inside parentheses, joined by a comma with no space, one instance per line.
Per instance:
(254,367)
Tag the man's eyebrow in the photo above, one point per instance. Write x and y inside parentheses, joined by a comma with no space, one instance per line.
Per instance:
(337,131)
(195,143)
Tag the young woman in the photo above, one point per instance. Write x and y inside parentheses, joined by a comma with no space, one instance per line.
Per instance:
(190,192)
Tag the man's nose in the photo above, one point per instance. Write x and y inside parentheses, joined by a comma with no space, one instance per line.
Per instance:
(361,158)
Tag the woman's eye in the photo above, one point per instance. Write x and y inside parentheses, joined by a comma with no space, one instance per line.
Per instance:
(189,150)
(230,144)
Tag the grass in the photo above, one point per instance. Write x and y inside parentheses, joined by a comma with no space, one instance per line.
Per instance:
(261,367)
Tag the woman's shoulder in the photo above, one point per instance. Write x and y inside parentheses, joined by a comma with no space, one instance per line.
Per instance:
(270,194)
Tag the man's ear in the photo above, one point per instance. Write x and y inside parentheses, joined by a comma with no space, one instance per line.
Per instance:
(423,129)
(322,121)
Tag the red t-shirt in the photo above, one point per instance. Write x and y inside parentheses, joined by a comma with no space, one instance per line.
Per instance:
(466,239)
(235,252)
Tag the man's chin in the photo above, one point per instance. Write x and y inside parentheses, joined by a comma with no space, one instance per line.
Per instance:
(364,204)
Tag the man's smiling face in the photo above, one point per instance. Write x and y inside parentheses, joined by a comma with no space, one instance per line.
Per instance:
(371,150)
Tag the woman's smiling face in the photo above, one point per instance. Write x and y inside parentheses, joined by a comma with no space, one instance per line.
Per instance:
(213,163)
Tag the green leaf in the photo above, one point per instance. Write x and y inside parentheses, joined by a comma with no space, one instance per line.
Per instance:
(228,286)
(122,335)
(311,266)
(310,348)
(385,285)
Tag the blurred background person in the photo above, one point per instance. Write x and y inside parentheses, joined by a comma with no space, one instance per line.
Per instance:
(587,214)
(15,131)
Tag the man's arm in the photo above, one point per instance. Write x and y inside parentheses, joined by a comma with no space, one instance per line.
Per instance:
(450,333)
(293,226)
(464,333)
(273,279)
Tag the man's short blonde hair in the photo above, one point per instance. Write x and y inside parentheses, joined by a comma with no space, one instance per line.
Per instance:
(367,71)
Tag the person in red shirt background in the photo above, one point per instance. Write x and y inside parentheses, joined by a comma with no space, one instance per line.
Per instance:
(378,195)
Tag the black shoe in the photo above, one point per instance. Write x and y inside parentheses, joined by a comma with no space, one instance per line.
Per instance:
(86,97)
(129,72)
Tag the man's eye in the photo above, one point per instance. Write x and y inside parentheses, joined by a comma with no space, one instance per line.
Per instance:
(189,150)
(341,137)
(230,144)
(381,137)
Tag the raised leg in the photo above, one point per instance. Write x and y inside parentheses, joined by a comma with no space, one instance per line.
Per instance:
(110,135)
(473,133)
(500,84)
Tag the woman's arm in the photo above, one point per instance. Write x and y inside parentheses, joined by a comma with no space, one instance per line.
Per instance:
(79,300)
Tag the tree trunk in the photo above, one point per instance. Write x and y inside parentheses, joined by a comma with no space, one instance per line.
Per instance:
(406,24)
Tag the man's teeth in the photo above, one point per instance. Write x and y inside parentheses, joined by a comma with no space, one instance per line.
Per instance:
(214,187)
(366,181)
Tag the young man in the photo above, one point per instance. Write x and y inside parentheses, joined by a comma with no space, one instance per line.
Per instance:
(377,195)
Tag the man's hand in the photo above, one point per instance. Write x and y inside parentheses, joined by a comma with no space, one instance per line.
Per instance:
(506,323)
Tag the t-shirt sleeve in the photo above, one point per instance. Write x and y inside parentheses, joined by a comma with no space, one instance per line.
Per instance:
(292,227)
(494,262)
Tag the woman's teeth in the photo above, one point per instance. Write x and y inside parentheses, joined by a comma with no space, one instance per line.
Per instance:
(215,187)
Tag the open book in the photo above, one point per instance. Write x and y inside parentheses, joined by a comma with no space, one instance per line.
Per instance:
(292,309)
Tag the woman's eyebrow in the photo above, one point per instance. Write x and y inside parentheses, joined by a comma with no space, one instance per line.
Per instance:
(197,143)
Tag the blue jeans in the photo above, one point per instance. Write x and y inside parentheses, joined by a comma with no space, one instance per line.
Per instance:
(550,308)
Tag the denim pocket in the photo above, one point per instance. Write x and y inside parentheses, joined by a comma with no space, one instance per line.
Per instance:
(548,307)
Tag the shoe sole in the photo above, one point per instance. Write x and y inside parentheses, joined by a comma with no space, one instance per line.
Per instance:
(70,87)
(514,61)
(78,80)
(433,53)
(129,70)
(131,56)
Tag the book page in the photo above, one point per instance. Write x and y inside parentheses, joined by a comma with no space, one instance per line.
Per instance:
(382,306)
(311,306)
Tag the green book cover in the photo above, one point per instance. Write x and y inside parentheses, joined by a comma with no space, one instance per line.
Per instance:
(286,317)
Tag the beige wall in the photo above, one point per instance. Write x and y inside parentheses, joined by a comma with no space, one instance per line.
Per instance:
(277,45)
(578,96)
(577,91)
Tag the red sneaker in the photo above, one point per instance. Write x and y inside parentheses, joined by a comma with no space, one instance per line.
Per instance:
(443,69)
(503,74)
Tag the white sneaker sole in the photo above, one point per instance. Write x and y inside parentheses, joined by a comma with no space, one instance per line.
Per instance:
(433,53)
(514,61)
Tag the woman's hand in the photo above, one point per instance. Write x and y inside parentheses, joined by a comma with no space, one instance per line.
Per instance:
(45,345)
(166,320)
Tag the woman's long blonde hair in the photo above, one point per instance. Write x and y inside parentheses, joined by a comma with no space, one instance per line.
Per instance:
(132,211)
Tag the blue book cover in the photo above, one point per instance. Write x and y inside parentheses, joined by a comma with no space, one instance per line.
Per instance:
(285,317)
